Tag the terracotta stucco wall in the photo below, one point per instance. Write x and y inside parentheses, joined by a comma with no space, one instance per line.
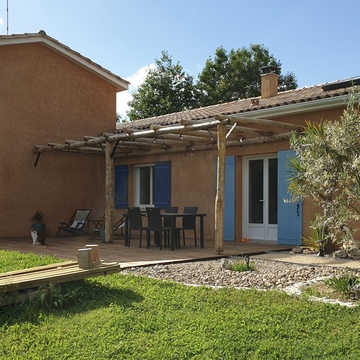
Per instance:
(193,181)
(48,98)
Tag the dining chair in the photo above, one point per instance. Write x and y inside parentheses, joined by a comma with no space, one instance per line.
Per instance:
(167,221)
(188,223)
(155,225)
(135,223)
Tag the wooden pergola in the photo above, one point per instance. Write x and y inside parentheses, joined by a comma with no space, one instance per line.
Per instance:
(185,136)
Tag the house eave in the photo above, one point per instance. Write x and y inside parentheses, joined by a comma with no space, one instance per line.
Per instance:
(298,108)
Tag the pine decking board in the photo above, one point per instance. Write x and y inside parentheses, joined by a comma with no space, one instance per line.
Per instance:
(38,268)
(30,278)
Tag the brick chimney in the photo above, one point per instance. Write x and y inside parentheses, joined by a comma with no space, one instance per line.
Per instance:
(269,81)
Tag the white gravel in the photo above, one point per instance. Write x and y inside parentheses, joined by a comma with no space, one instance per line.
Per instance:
(268,274)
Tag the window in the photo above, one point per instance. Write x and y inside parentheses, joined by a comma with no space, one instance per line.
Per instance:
(144,185)
(152,185)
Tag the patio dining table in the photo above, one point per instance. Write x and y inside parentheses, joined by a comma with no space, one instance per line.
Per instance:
(172,217)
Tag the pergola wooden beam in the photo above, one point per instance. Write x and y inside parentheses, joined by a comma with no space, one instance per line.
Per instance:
(261,140)
(253,121)
(146,145)
(203,132)
(88,150)
(183,138)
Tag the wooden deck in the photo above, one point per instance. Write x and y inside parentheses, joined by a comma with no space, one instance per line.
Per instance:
(65,248)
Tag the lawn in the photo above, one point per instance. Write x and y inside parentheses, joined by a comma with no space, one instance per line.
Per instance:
(128,317)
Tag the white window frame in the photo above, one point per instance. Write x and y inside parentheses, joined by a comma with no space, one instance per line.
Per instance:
(137,185)
(265,231)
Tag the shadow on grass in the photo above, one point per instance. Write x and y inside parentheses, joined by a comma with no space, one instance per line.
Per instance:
(73,298)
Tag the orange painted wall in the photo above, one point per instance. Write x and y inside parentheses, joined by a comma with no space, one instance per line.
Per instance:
(48,98)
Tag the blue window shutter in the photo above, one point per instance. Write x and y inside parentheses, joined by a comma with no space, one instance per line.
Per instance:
(289,213)
(121,186)
(229,211)
(162,191)
(229,201)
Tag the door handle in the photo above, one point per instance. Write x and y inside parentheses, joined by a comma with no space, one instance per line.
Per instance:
(297,209)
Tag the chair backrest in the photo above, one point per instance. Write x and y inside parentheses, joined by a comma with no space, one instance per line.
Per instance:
(134,214)
(189,222)
(154,219)
(171,210)
(80,218)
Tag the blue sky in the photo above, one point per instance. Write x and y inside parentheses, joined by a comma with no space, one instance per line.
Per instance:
(315,39)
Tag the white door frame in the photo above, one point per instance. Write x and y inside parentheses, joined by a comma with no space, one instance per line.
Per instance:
(259,232)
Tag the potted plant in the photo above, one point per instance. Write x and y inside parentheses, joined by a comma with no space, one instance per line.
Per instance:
(39,226)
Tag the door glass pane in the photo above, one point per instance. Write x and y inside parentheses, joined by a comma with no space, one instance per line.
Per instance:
(144,181)
(272,200)
(256,191)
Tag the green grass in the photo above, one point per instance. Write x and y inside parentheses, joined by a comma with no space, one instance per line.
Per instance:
(241,267)
(128,317)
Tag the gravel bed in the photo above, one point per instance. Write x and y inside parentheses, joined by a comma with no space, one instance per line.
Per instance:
(267,275)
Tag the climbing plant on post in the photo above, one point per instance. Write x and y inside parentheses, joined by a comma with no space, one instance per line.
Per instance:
(327,169)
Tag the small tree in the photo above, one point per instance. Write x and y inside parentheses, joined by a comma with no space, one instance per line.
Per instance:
(327,169)
(166,89)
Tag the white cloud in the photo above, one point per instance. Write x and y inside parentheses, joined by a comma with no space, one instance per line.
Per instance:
(1,21)
(123,97)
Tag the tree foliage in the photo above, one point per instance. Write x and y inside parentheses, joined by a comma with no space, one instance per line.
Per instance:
(235,75)
(166,89)
(327,168)
(230,76)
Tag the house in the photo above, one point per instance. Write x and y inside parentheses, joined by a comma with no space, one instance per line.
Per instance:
(60,149)
(49,93)
(174,160)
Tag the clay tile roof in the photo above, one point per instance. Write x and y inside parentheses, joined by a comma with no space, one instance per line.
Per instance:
(290,97)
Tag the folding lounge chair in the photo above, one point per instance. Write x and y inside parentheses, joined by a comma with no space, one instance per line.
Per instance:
(76,225)
(119,225)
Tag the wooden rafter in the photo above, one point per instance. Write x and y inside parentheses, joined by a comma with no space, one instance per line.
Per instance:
(264,122)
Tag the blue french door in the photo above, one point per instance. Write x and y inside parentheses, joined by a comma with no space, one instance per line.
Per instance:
(289,213)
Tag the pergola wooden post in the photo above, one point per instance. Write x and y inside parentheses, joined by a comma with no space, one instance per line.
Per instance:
(220,190)
(109,192)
